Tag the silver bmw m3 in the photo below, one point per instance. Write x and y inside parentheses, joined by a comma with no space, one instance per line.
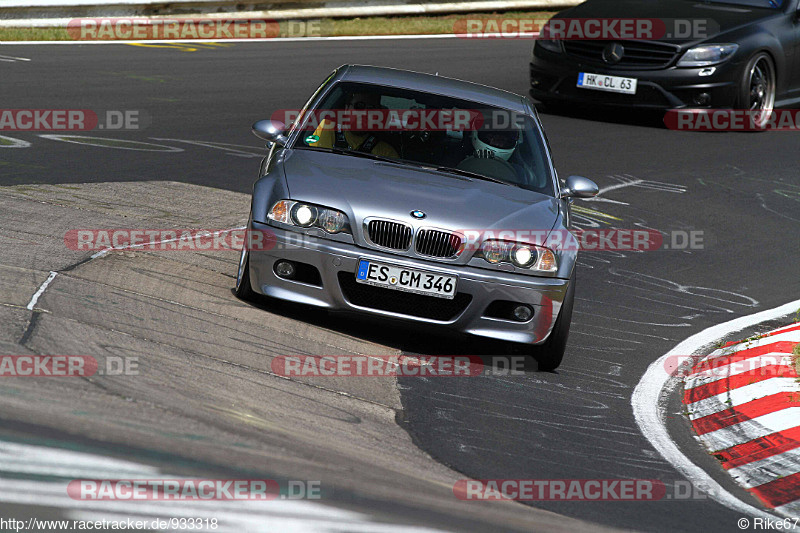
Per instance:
(420,198)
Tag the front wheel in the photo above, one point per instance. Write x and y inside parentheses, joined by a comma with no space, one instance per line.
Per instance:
(757,88)
(550,354)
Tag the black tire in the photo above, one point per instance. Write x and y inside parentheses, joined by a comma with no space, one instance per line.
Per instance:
(757,87)
(550,354)
(243,288)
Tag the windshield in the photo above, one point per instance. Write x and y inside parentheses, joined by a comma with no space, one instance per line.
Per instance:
(443,134)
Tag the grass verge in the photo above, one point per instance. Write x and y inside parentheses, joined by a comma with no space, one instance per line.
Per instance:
(405,25)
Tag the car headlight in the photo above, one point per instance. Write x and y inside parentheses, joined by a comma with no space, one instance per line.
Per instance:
(309,216)
(707,55)
(551,45)
(304,215)
(546,40)
(521,255)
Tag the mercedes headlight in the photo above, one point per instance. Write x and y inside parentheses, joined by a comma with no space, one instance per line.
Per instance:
(707,55)
(551,45)
(546,40)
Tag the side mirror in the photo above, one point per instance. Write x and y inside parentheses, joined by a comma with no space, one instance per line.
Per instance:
(270,131)
(579,187)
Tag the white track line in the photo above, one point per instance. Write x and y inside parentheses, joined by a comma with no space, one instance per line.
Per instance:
(101,253)
(42,287)
(11,142)
(650,398)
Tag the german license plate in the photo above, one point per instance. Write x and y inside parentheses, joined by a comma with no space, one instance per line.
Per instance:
(601,82)
(406,279)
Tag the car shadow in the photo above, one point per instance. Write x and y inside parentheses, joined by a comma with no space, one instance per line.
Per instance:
(496,356)
(648,118)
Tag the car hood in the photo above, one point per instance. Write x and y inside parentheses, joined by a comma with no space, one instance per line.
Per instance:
(367,188)
(721,17)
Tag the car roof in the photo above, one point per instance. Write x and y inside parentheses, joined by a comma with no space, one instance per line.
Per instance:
(419,81)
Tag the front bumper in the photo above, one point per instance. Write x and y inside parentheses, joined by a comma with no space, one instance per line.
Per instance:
(554,78)
(335,288)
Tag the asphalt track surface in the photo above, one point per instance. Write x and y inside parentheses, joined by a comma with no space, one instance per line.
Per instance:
(742,191)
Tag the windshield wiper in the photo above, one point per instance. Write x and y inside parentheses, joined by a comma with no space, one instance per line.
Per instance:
(448,170)
(469,174)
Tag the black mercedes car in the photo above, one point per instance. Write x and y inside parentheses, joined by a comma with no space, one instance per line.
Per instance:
(746,55)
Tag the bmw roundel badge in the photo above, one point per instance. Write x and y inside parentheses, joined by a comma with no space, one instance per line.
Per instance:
(418,214)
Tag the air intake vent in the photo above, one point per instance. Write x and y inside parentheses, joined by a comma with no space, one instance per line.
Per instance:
(435,243)
(389,234)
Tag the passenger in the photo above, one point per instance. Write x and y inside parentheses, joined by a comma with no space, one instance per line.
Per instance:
(331,135)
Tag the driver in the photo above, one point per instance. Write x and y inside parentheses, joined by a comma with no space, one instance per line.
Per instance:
(491,144)
(330,135)
(492,150)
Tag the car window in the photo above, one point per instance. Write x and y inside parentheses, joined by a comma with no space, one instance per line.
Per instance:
(431,130)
